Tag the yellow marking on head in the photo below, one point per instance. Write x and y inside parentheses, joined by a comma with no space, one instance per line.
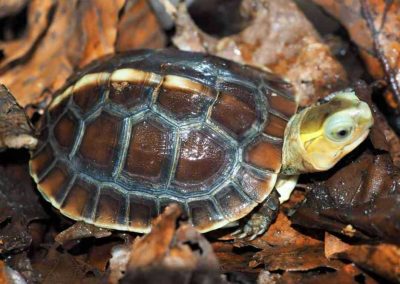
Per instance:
(320,135)
(330,131)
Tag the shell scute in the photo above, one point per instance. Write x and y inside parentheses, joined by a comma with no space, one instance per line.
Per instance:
(142,209)
(65,130)
(111,208)
(55,181)
(99,145)
(148,162)
(256,184)
(204,214)
(201,160)
(275,126)
(233,203)
(80,200)
(90,90)
(42,159)
(264,154)
(233,114)
(184,98)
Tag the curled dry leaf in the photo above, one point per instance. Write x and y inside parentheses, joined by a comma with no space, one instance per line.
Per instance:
(79,231)
(359,200)
(279,38)
(65,35)
(382,259)
(374,25)
(119,259)
(15,128)
(39,14)
(138,17)
(171,255)
(284,248)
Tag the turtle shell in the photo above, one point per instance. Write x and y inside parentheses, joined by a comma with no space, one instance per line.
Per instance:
(132,133)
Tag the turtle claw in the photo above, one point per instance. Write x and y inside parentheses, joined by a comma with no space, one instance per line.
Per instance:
(237,232)
(255,226)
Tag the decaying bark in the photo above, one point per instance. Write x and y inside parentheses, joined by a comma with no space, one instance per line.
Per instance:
(15,128)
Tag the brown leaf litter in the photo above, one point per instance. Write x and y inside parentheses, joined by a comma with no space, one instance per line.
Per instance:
(167,255)
(358,200)
(65,35)
(278,38)
(374,25)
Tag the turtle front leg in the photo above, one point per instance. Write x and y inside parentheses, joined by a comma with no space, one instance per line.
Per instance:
(261,219)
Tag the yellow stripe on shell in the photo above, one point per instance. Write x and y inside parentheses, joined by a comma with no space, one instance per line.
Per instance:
(178,82)
(92,79)
(57,100)
(88,79)
(135,76)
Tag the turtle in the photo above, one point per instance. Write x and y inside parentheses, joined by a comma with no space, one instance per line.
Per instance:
(134,132)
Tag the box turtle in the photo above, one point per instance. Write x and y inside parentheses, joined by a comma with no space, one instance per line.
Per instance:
(132,133)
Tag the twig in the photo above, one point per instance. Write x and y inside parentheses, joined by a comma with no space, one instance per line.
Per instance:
(366,10)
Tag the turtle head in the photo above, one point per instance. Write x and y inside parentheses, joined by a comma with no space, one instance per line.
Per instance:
(319,136)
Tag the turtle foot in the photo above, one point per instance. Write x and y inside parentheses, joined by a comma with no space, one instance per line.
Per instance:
(260,220)
(254,227)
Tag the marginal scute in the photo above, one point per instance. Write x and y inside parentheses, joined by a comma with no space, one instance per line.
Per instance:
(55,182)
(204,214)
(149,152)
(265,154)
(256,185)
(132,88)
(80,199)
(99,144)
(111,208)
(58,108)
(65,130)
(233,204)
(130,95)
(142,210)
(59,103)
(89,90)
(42,160)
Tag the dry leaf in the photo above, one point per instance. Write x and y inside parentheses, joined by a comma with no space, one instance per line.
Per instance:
(19,203)
(374,25)
(77,33)
(171,255)
(279,38)
(382,259)
(137,16)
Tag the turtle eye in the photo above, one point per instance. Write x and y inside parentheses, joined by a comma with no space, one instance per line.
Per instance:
(339,129)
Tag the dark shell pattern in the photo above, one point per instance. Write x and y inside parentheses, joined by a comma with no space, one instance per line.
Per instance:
(132,133)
